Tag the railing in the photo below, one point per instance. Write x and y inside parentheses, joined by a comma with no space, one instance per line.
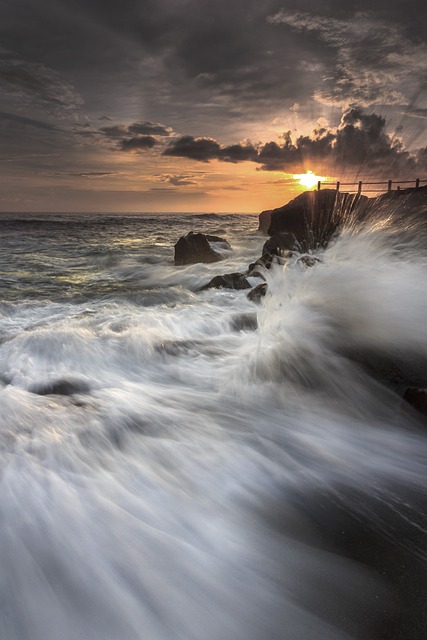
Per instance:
(360,184)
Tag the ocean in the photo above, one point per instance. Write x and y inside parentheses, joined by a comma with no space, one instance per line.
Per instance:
(186,465)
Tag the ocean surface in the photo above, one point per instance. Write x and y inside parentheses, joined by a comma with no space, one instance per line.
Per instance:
(170,472)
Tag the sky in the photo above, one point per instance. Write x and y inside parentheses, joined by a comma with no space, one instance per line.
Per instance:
(205,105)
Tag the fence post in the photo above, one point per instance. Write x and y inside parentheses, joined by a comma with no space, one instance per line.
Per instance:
(359,189)
(390,182)
(318,185)
(417,183)
(338,186)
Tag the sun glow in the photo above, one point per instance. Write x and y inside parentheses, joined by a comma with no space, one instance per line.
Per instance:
(308,179)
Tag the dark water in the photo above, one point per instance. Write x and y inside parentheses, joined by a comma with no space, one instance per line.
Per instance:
(167,475)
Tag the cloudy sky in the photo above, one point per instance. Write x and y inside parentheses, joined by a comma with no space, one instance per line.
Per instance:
(205,105)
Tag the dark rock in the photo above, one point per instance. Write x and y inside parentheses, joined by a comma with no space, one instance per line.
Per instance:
(276,248)
(199,247)
(5,379)
(228,281)
(280,244)
(308,261)
(417,398)
(244,322)
(257,293)
(314,216)
(405,206)
(257,268)
(264,221)
(60,387)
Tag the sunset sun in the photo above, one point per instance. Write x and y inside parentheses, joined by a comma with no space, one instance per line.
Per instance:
(308,179)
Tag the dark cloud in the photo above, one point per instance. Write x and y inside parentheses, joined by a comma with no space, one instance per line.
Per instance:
(238,152)
(373,57)
(26,122)
(138,136)
(136,129)
(115,132)
(140,143)
(149,129)
(201,149)
(246,59)
(34,84)
(221,70)
(359,143)
(205,149)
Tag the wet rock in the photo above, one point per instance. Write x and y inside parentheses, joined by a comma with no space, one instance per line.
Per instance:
(256,269)
(257,292)
(200,247)
(314,216)
(280,244)
(308,261)
(228,281)
(417,398)
(5,379)
(244,322)
(60,387)
(264,221)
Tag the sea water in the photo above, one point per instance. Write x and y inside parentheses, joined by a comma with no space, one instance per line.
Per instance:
(171,471)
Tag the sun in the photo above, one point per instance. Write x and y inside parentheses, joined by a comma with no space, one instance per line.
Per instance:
(308,179)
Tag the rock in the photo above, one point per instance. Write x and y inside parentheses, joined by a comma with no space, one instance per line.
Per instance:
(200,247)
(275,249)
(280,244)
(228,281)
(256,269)
(308,261)
(314,216)
(244,322)
(257,293)
(264,221)
(401,206)
(60,387)
(417,398)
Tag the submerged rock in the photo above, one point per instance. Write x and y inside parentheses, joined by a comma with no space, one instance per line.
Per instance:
(60,387)
(257,292)
(308,261)
(244,322)
(417,398)
(200,247)
(228,281)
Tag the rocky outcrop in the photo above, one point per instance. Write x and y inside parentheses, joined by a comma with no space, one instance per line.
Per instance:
(281,244)
(60,387)
(228,281)
(200,247)
(257,293)
(314,216)
(399,205)
(264,221)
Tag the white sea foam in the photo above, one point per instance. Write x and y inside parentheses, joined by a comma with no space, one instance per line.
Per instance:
(204,482)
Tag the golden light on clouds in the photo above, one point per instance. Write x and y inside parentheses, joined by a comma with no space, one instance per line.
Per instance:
(308,179)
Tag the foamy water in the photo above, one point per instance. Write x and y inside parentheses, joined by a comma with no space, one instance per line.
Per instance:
(187,480)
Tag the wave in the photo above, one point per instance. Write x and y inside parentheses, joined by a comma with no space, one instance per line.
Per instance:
(169,474)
